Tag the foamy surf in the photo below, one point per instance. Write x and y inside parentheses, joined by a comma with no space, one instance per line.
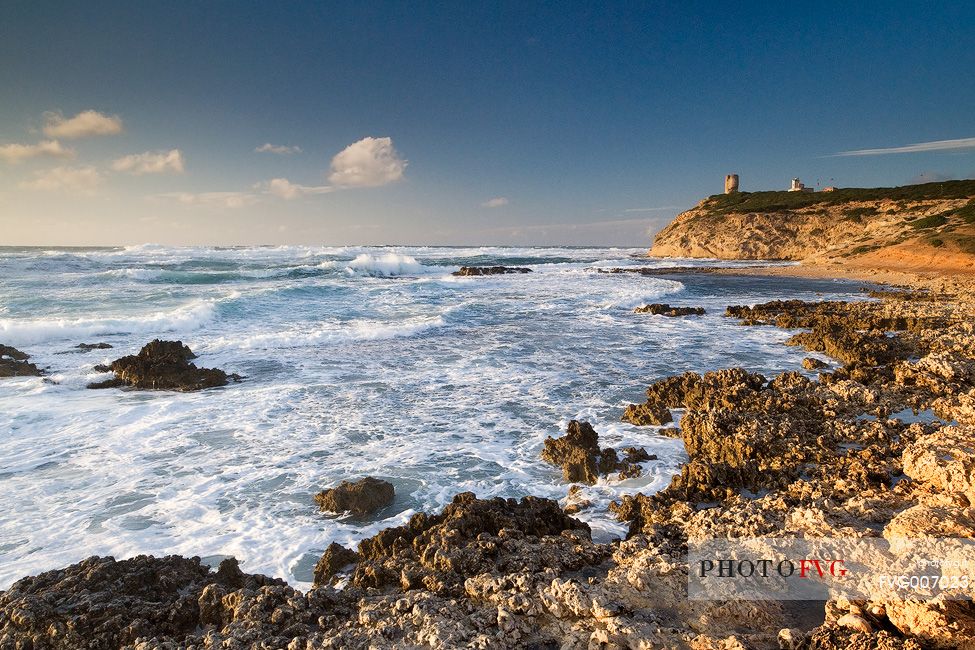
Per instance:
(357,361)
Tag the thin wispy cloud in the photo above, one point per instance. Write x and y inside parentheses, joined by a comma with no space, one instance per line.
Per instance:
(151,162)
(959,144)
(370,162)
(212,199)
(84,124)
(496,202)
(285,189)
(15,153)
(79,180)
(279,149)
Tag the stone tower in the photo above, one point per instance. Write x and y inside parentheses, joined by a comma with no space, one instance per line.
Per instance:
(730,183)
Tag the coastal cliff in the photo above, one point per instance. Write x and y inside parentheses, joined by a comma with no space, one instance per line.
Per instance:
(915,227)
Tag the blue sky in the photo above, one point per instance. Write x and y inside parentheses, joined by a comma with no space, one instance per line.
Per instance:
(474,123)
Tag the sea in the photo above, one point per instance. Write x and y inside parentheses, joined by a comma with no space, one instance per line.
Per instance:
(356,361)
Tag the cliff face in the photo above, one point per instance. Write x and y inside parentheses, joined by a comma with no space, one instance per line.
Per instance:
(909,227)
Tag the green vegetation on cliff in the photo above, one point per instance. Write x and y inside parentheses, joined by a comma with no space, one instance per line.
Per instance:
(749,202)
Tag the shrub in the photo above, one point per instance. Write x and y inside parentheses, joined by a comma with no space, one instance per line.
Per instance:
(932,221)
(937,243)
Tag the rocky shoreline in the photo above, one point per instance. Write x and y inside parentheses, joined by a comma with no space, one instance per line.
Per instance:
(835,455)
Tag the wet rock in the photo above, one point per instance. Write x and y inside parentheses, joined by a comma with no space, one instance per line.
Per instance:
(335,558)
(811,363)
(93,346)
(490,270)
(660,309)
(14,363)
(581,459)
(163,365)
(361,497)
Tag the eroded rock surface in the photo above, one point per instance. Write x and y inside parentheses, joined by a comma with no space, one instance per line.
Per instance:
(162,365)
(361,497)
(660,309)
(581,459)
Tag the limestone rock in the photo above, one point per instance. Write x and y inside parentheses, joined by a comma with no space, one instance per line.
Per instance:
(361,497)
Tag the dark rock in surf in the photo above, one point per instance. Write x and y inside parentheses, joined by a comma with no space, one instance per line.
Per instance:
(335,558)
(361,497)
(163,365)
(14,363)
(84,347)
(581,459)
(660,309)
(490,270)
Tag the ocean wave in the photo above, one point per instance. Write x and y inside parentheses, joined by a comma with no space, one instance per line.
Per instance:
(329,334)
(32,331)
(388,265)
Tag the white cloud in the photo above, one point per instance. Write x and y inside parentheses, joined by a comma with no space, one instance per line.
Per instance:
(936,145)
(15,153)
(83,124)
(285,189)
(370,162)
(81,180)
(151,162)
(280,149)
(496,202)
(213,199)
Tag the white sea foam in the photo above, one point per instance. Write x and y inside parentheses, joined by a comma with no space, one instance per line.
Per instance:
(438,384)
(26,331)
(388,264)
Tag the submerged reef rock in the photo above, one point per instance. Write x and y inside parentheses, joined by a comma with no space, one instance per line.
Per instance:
(162,365)
(661,309)
(361,497)
(490,270)
(581,459)
(93,346)
(14,363)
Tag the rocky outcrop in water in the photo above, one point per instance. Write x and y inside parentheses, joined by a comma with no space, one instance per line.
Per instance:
(162,365)
(361,497)
(85,347)
(490,270)
(661,309)
(581,459)
(776,456)
(14,363)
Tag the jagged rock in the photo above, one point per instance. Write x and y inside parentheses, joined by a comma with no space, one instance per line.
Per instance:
(102,603)
(490,270)
(163,365)
(473,536)
(14,363)
(361,497)
(335,558)
(811,363)
(647,414)
(581,459)
(659,309)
